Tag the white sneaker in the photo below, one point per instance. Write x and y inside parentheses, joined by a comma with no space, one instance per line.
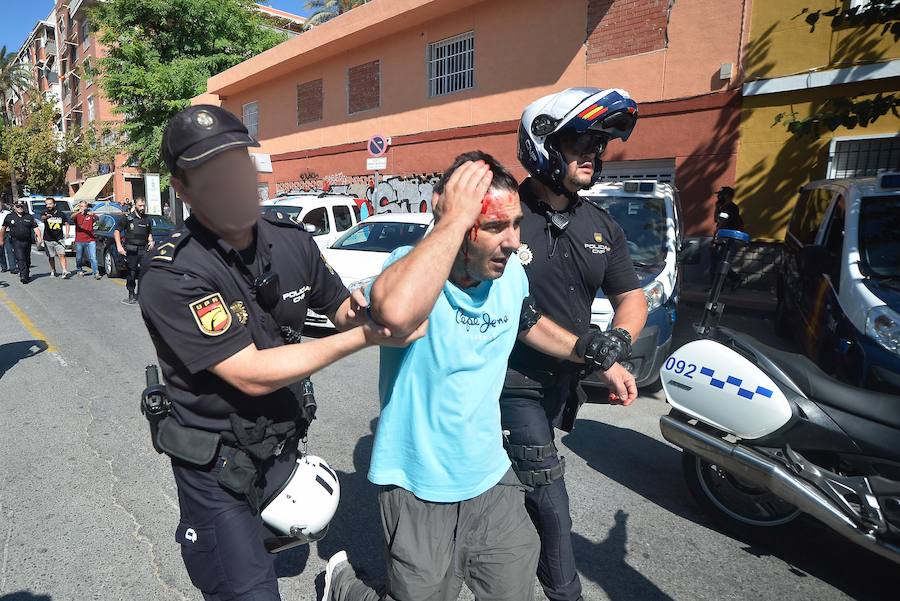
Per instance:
(337,562)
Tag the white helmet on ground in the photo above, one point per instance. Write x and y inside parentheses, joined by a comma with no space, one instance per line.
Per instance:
(306,503)
(610,113)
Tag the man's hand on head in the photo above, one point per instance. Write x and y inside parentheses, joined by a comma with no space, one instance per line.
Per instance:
(461,201)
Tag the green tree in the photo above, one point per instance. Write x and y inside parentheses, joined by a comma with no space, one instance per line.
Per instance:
(161,52)
(325,10)
(15,78)
(42,154)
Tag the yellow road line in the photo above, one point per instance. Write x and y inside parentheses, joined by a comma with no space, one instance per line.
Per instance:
(20,314)
(116,281)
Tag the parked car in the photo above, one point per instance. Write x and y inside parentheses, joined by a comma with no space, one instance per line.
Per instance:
(38,204)
(108,258)
(650,214)
(326,216)
(359,255)
(839,283)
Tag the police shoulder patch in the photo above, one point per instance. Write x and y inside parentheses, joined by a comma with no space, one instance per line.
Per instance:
(211,314)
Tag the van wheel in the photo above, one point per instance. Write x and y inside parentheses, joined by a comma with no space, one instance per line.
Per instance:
(653,387)
(746,510)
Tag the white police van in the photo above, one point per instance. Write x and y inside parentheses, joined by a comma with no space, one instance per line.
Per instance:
(650,214)
(839,282)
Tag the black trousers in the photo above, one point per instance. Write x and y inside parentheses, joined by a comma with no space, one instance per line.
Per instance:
(528,415)
(222,539)
(22,250)
(133,259)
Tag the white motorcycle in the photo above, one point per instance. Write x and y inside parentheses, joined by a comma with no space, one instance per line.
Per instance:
(767,435)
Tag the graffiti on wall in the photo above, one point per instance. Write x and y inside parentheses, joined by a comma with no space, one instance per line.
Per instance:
(392,194)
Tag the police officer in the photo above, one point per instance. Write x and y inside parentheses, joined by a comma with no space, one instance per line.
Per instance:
(138,228)
(570,249)
(20,226)
(224,302)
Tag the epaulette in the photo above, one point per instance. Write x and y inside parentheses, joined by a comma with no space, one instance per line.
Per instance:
(167,251)
(281,218)
(594,202)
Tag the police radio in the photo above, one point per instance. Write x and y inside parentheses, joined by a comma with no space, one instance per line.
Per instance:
(155,403)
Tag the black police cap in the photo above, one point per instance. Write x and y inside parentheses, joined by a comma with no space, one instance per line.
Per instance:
(199,133)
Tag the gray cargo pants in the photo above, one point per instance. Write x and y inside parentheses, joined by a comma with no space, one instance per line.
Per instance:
(487,542)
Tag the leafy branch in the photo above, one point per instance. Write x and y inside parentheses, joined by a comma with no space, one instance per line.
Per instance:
(885,12)
(840,112)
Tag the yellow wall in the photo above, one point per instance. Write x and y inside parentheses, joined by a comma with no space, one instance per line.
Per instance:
(780,41)
(772,164)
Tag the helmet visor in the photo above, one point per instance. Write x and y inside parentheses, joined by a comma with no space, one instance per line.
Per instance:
(617,125)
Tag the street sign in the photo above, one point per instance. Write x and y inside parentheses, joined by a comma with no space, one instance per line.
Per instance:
(376,164)
(262,161)
(378,145)
(151,192)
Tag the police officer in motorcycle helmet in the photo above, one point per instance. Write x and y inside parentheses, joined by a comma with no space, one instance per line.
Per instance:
(570,248)
(224,302)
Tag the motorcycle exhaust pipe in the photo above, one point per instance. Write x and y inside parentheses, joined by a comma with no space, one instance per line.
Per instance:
(757,469)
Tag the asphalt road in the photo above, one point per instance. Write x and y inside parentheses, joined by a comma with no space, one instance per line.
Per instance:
(88,510)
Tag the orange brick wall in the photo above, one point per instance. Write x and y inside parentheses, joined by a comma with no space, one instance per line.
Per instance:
(619,28)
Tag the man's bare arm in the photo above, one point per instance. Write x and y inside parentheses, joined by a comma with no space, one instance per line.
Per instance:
(403,296)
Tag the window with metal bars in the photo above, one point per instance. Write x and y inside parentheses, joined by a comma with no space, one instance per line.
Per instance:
(863,156)
(451,64)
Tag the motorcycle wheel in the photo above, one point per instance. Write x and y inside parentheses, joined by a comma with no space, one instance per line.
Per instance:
(737,506)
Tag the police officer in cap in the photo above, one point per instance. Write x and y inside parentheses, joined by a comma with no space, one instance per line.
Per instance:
(138,239)
(570,250)
(20,226)
(224,303)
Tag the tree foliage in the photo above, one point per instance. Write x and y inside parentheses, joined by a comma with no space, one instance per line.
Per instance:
(325,10)
(161,52)
(41,155)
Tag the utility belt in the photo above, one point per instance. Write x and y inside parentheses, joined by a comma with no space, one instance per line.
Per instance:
(131,246)
(244,449)
(562,395)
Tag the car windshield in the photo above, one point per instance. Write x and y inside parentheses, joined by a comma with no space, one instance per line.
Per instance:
(644,221)
(879,236)
(161,224)
(381,236)
(291,212)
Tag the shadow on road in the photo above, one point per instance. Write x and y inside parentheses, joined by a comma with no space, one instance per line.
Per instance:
(604,564)
(638,462)
(356,527)
(13,352)
(25,596)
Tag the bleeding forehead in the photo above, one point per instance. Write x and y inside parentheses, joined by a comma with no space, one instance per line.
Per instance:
(500,205)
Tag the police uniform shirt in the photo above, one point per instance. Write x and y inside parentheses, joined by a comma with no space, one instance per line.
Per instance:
(590,255)
(20,228)
(199,306)
(136,230)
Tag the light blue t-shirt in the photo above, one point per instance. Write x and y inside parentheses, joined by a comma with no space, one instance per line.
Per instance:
(439,435)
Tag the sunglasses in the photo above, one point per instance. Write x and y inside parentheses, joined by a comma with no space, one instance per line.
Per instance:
(586,143)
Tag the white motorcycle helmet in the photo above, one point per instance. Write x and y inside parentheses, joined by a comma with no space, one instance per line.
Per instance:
(610,112)
(305,505)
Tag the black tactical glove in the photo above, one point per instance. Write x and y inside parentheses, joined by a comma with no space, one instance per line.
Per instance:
(602,349)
